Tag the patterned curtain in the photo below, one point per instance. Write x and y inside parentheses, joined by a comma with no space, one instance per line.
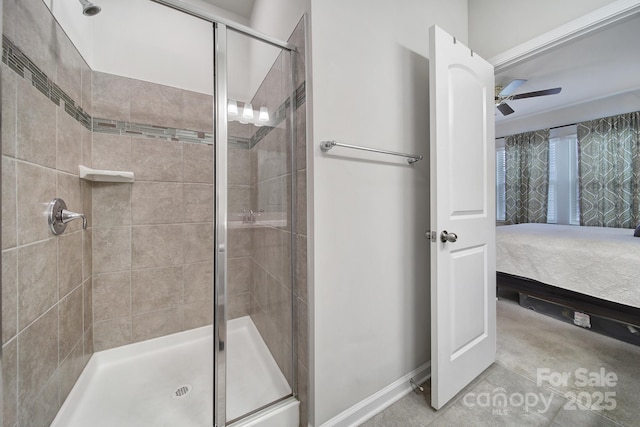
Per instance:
(527,177)
(609,171)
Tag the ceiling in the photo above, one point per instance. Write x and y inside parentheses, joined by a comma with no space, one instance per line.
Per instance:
(594,67)
(600,65)
(240,7)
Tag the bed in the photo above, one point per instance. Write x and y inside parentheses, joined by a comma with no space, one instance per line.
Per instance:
(592,270)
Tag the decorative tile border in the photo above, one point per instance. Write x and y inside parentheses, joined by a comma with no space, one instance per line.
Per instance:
(301,95)
(151,131)
(279,115)
(15,59)
(239,142)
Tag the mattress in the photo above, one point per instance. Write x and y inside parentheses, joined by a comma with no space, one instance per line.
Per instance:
(596,261)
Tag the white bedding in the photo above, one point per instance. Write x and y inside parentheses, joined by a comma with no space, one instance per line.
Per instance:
(596,261)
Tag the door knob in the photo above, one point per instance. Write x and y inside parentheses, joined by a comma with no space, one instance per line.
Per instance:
(448,237)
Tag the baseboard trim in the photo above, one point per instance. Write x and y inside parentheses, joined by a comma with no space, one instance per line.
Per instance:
(377,402)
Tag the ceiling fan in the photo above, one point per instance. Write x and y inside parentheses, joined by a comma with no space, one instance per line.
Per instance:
(504,94)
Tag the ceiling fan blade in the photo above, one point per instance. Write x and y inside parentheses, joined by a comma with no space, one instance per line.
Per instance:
(505,109)
(511,87)
(553,91)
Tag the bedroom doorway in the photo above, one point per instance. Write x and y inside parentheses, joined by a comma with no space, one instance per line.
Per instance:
(550,346)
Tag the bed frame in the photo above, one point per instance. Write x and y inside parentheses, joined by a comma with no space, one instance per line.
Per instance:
(608,318)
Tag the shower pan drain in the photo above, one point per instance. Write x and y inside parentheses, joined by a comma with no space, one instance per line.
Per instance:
(181,391)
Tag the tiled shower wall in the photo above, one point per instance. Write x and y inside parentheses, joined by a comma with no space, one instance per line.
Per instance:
(46,279)
(153,239)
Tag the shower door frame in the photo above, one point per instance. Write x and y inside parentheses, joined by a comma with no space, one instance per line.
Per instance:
(220,230)
(220,28)
(220,212)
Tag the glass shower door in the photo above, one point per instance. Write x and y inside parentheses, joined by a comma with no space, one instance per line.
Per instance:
(255,302)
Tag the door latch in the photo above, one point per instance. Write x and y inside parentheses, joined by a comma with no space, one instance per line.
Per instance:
(431,235)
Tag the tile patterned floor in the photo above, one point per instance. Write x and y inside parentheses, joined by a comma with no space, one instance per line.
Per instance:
(528,341)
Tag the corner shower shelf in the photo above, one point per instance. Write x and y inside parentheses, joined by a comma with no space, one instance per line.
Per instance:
(100,175)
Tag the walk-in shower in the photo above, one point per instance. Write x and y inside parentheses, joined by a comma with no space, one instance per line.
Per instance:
(181,300)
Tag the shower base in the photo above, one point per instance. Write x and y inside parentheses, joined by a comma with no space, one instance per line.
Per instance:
(167,382)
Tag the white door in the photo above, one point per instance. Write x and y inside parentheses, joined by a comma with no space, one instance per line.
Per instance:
(463,272)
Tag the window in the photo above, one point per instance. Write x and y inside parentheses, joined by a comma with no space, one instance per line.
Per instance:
(564,186)
(501,173)
(564,204)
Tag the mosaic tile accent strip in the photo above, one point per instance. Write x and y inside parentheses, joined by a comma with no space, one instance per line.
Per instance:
(301,95)
(151,131)
(280,114)
(238,142)
(15,59)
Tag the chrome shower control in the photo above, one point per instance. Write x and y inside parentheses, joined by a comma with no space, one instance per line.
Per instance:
(59,216)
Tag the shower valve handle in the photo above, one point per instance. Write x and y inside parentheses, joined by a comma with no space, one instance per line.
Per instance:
(68,216)
(59,216)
